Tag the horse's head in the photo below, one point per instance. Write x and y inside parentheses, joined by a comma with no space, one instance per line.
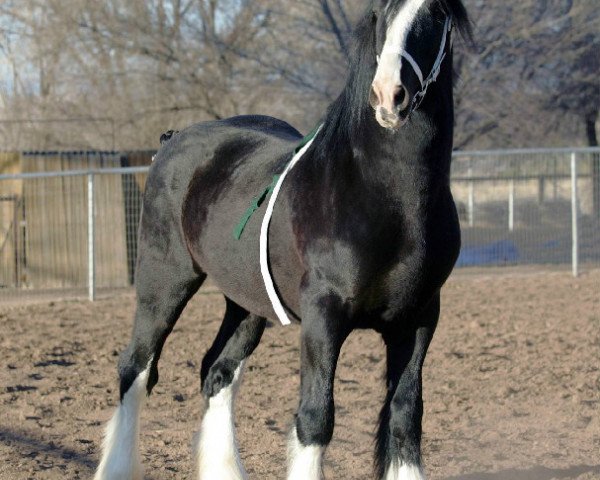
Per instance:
(413,38)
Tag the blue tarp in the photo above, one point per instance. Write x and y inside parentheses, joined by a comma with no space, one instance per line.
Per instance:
(497,253)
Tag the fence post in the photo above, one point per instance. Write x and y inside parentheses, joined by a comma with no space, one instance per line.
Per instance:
(511,206)
(16,228)
(471,203)
(91,250)
(574,215)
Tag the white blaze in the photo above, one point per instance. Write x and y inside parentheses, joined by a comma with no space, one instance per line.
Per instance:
(390,62)
(388,75)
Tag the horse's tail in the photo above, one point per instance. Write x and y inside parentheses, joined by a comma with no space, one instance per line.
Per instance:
(165,137)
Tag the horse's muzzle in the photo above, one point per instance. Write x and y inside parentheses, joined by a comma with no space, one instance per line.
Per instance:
(390,104)
(391,121)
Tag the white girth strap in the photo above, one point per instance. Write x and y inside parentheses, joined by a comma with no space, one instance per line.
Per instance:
(264,236)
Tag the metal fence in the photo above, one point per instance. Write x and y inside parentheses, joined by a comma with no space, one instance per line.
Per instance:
(69,233)
(74,233)
(528,207)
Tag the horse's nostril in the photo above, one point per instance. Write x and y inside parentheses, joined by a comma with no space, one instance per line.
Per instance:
(401,98)
(373,97)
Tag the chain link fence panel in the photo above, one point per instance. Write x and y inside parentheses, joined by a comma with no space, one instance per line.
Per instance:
(74,233)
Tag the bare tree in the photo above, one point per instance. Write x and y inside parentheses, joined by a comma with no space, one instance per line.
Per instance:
(534,78)
(125,70)
(153,65)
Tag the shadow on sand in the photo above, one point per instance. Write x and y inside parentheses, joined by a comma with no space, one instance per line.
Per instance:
(535,473)
(27,445)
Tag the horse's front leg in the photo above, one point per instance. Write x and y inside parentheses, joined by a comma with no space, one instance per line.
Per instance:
(398,455)
(324,329)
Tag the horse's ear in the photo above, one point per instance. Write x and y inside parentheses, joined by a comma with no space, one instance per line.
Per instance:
(376,8)
(364,32)
(462,22)
(465,29)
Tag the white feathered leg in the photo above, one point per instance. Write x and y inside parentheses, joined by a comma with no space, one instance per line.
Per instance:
(218,455)
(398,471)
(304,463)
(120,449)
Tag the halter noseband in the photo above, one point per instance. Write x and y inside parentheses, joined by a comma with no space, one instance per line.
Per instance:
(435,70)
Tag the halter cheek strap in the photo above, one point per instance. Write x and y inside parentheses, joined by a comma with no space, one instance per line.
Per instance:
(415,66)
(437,66)
(435,70)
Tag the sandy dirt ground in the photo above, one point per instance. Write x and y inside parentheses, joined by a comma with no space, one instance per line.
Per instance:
(511,386)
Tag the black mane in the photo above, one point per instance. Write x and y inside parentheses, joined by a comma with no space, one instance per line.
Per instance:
(350,109)
(460,17)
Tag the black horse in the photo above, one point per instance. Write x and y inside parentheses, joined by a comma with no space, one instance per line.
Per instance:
(364,234)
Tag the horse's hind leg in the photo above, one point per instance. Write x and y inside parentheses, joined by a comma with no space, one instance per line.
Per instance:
(164,284)
(398,454)
(240,333)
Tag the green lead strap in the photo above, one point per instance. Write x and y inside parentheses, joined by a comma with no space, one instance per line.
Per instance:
(254,206)
(257,201)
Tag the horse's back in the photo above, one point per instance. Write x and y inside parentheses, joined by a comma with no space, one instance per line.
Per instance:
(214,146)
(264,124)
(202,182)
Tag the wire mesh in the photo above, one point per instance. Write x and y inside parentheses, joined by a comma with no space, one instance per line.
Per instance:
(44,224)
(515,208)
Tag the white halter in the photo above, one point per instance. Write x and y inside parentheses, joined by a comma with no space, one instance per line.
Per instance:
(435,70)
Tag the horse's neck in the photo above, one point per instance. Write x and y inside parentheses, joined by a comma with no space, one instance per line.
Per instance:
(353,148)
(417,154)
